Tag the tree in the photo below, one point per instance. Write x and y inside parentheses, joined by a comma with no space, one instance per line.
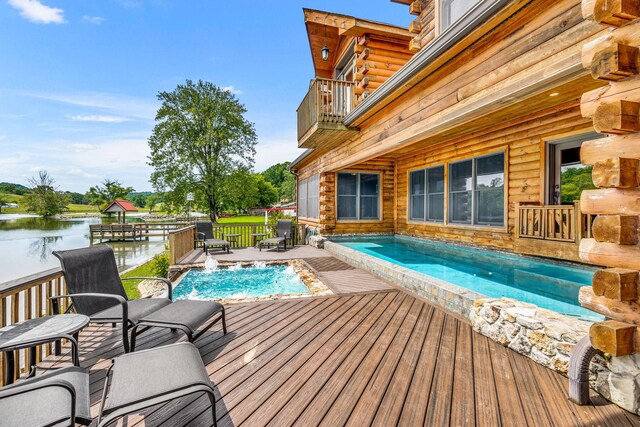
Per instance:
(201,137)
(288,187)
(3,201)
(109,191)
(267,192)
(45,199)
(151,201)
(240,191)
(77,198)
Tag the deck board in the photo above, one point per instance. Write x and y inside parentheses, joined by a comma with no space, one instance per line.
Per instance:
(377,358)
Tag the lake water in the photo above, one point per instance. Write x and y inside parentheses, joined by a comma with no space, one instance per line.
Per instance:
(26,243)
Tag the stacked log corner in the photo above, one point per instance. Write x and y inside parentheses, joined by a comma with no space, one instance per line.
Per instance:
(424,25)
(377,59)
(615,111)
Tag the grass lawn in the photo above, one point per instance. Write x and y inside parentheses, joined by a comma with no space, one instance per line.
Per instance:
(131,286)
(71,208)
(242,219)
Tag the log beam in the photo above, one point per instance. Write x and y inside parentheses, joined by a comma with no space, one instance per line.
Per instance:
(618,229)
(622,311)
(614,13)
(614,63)
(610,254)
(611,201)
(626,146)
(619,284)
(617,117)
(612,337)
(415,8)
(617,173)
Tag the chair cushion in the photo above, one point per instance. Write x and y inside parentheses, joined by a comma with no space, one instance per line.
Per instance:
(53,404)
(188,313)
(273,240)
(138,308)
(154,372)
(216,242)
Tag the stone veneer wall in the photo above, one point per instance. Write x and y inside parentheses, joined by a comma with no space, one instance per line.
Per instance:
(542,335)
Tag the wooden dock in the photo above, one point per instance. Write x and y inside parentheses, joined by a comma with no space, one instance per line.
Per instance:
(132,231)
(379,358)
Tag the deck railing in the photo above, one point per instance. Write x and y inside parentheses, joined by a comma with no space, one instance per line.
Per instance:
(181,241)
(28,298)
(561,223)
(327,101)
(135,230)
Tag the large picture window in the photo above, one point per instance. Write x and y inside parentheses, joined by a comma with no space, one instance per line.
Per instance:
(476,191)
(452,10)
(427,194)
(308,197)
(358,196)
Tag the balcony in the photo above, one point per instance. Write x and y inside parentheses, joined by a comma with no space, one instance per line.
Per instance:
(321,113)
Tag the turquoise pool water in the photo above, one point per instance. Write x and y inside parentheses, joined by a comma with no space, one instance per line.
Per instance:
(238,282)
(545,284)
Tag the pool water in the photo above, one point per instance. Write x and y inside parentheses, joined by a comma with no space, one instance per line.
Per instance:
(237,282)
(554,286)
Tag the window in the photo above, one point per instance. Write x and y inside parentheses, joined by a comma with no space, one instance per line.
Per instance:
(427,194)
(476,191)
(358,196)
(452,10)
(302,198)
(308,197)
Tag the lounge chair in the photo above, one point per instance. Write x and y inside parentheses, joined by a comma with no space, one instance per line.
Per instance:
(136,381)
(95,288)
(283,232)
(58,398)
(204,236)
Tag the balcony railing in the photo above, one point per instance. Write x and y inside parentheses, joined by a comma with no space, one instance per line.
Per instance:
(327,101)
(561,223)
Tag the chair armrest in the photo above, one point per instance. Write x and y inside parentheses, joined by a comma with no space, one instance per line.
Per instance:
(118,298)
(24,388)
(167,282)
(200,237)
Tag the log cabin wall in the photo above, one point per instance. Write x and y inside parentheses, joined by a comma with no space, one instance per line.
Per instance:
(329,224)
(376,59)
(424,26)
(523,142)
(480,87)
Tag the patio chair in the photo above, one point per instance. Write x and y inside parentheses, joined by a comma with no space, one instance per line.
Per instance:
(283,232)
(95,288)
(136,381)
(204,236)
(59,398)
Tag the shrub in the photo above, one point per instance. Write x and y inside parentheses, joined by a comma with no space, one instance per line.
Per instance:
(160,265)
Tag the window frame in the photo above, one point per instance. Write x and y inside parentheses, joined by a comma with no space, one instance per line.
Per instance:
(426,194)
(358,195)
(440,5)
(307,202)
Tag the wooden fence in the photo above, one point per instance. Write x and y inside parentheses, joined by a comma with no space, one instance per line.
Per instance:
(181,242)
(28,298)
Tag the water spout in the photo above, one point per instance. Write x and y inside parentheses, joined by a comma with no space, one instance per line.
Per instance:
(235,267)
(210,265)
(259,265)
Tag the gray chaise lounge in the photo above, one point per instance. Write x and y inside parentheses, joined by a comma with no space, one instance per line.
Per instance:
(95,288)
(204,236)
(59,398)
(283,232)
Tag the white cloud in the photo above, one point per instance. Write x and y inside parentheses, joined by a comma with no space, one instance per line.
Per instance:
(119,105)
(35,11)
(98,118)
(233,90)
(95,20)
(79,147)
(276,150)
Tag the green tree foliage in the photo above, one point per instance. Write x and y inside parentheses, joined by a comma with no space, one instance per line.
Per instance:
(574,181)
(8,187)
(152,201)
(45,199)
(77,198)
(3,201)
(282,179)
(108,191)
(201,138)
(268,193)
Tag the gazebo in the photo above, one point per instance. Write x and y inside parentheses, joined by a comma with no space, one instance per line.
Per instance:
(121,207)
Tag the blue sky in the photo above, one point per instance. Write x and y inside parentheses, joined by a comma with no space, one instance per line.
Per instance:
(78,79)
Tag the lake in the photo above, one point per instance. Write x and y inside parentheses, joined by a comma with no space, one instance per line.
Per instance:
(26,243)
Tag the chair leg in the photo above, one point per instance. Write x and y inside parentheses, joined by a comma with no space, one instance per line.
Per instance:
(125,338)
(224,322)
(212,399)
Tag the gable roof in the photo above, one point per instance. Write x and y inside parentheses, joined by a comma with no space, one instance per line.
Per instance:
(121,206)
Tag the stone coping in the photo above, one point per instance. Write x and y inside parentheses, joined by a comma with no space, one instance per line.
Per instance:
(311,281)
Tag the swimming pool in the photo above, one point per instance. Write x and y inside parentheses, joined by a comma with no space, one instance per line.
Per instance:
(239,282)
(549,285)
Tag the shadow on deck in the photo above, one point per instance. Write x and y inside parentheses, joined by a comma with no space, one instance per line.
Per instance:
(381,358)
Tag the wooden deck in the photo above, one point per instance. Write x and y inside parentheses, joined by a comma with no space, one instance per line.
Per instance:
(381,358)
